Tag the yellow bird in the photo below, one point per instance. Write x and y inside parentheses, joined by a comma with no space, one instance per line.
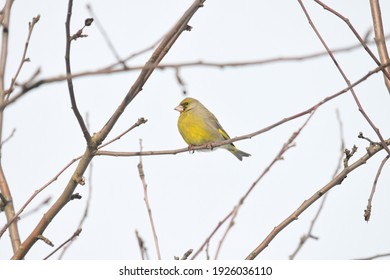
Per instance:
(198,126)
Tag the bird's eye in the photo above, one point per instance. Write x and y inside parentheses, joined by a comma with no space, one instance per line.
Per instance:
(185,104)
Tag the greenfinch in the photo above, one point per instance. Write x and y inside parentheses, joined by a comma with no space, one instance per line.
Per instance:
(198,126)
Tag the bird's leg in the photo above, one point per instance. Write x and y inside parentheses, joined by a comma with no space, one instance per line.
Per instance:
(209,145)
(191,148)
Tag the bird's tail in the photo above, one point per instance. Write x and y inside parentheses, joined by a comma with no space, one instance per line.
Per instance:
(238,153)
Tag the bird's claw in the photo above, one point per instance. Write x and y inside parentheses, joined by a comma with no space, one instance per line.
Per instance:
(209,146)
(191,148)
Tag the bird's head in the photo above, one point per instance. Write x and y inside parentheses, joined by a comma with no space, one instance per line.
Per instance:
(186,105)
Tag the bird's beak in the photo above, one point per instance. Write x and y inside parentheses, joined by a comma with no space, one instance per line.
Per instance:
(179,108)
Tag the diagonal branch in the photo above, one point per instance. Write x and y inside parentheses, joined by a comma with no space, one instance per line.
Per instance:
(99,137)
(286,146)
(371,151)
(361,40)
(150,66)
(31,26)
(309,234)
(361,110)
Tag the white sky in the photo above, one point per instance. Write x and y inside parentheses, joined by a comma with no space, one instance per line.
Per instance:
(191,193)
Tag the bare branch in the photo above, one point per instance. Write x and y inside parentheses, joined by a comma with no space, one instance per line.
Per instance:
(29,85)
(309,233)
(17,214)
(86,209)
(371,151)
(70,239)
(367,212)
(24,59)
(99,137)
(375,257)
(69,39)
(207,241)
(361,110)
(379,37)
(278,157)
(8,138)
(36,208)
(4,188)
(139,122)
(361,40)
(146,199)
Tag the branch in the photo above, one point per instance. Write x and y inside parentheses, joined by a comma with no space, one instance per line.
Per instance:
(138,123)
(36,192)
(278,157)
(207,241)
(371,151)
(375,257)
(367,212)
(157,56)
(361,110)
(70,239)
(146,199)
(347,21)
(69,39)
(29,86)
(309,233)
(379,37)
(24,59)
(4,188)
(99,137)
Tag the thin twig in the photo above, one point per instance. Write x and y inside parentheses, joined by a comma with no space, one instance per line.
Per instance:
(24,59)
(139,122)
(8,138)
(70,239)
(367,212)
(207,241)
(309,233)
(361,110)
(375,257)
(146,199)
(69,39)
(36,208)
(371,151)
(379,37)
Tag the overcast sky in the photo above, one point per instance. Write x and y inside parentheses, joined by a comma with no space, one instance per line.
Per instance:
(190,193)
